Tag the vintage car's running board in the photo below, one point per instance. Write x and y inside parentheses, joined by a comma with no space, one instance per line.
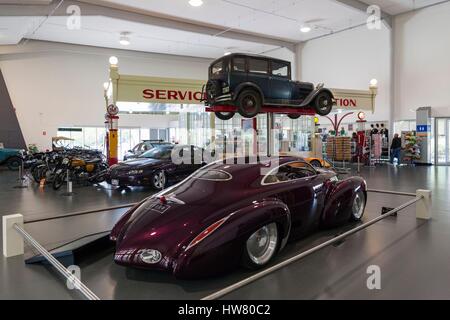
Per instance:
(267,109)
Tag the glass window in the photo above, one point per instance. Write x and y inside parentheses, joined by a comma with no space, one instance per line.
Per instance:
(258,66)
(153,134)
(217,68)
(239,64)
(212,175)
(163,134)
(288,172)
(280,69)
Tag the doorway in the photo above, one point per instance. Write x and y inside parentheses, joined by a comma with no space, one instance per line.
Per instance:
(443,141)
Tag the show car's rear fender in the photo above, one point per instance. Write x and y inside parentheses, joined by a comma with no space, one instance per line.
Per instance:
(339,199)
(222,250)
(310,98)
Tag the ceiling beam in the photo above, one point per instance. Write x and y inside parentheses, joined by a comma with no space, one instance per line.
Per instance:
(361,6)
(101,8)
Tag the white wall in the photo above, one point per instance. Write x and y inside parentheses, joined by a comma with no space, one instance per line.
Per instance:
(422,61)
(349,60)
(53,85)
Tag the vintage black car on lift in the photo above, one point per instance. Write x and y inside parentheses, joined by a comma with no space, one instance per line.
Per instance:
(250,82)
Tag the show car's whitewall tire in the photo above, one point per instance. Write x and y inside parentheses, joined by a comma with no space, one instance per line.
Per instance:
(261,246)
(358,205)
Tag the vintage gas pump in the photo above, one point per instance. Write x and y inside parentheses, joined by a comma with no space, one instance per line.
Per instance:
(361,137)
(113,139)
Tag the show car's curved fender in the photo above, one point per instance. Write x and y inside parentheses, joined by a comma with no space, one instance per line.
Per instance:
(250,85)
(339,199)
(313,95)
(224,247)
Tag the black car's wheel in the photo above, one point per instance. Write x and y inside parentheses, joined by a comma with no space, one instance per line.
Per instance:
(358,206)
(224,115)
(316,163)
(294,116)
(158,180)
(249,103)
(14,163)
(58,181)
(261,247)
(323,103)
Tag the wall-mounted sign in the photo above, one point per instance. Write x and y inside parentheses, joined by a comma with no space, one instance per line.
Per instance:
(423,128)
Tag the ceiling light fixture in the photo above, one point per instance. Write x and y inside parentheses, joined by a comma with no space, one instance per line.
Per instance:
(196,3)
(124,39)
(305,28)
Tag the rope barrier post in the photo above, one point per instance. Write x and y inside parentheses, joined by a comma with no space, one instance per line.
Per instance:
(22,184)
(423,207)
(69,191)
(12,241)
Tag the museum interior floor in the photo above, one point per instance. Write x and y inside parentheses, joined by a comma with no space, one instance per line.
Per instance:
(414,255)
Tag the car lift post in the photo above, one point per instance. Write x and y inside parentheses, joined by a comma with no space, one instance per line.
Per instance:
(270,124)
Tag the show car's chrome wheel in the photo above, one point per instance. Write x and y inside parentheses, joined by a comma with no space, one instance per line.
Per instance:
(262,245)
(358,205)
(159,180)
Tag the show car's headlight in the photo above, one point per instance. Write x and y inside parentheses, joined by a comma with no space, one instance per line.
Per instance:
(135,172)
(150,256)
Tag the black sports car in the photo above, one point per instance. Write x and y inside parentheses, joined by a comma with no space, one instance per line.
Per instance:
(142,147)
(157,167)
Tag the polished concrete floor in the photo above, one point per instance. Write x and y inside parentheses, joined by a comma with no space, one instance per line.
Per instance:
(413,255)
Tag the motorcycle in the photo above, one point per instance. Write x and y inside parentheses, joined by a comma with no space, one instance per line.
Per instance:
(80,170)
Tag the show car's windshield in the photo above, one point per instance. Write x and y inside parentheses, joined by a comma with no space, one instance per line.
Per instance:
(157,153)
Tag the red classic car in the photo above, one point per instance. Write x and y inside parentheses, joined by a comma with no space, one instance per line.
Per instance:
(226,214)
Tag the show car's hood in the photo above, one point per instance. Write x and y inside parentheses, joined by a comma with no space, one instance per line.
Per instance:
(167,228)
(138,163)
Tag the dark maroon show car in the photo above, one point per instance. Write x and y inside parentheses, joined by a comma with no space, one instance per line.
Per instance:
(225,215)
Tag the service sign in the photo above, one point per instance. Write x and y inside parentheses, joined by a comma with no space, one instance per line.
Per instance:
(188,91)
(159,90)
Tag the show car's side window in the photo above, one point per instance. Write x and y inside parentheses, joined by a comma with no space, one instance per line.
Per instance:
(280,69)
(239,64)
(258,66)
(288,172)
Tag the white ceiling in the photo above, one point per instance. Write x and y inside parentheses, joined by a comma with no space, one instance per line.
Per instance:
(255,19)
(279,19)
(395,7)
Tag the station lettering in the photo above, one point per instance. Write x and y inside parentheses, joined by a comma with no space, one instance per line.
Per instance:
(176,95)
(346,102)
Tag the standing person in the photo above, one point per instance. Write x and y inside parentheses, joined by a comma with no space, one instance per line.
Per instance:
(343,133)
(396,147)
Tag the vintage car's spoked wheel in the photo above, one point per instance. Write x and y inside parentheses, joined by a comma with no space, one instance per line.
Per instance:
(358,205)
(261,246)
(14,163)
(249,103)
(159,180)
(323,103)
(224,115)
